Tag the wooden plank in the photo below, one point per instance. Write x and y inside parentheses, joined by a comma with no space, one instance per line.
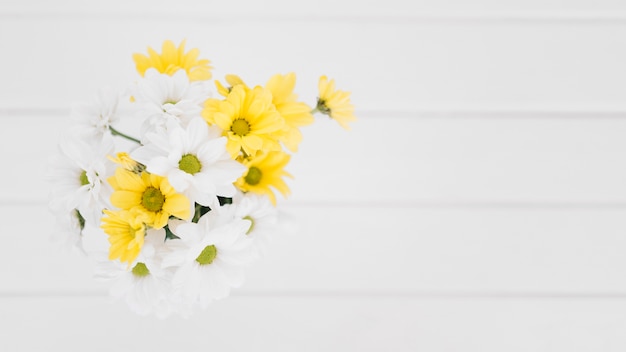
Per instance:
(319,324)
(323,7)
(382,249)
(389,66)
(403,160)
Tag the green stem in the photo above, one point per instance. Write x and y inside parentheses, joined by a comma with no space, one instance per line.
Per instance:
(197,213)
(118,133)
(315,111)
(245,155)
(169,235)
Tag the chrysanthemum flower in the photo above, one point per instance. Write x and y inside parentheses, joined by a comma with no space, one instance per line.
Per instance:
(248,119)
(194,163)
(94,118)
(295,113)
(148,194)
(68,230)
(126,230)
(209,257)
(335,103)
(173,59)
(78,174)
(232,80)
(262,215)
(144,285)
(125,161)
(265,173)
(161,100)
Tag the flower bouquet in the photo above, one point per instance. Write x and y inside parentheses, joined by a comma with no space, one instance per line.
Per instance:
(169,184)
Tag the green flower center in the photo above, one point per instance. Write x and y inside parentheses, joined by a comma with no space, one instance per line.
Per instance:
(208,255)
(84,180)
(254,176)
(190,164)
(248,217)
(240,127)
(140,270)
(152,199)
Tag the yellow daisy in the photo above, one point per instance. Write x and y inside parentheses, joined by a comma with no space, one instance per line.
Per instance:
(149,194)
(232,80)
(335,103)
(295,113)
(125,161)
(126,230)
(265,173)
(173,59)
(248,119)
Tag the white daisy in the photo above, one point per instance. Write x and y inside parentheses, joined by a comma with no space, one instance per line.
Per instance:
(93,119)
(144,285)
(68,229)
(194,162)
(209,257)
(78,174)
(262,215)
(166,100)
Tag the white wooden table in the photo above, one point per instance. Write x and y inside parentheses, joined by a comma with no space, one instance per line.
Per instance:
(478,204)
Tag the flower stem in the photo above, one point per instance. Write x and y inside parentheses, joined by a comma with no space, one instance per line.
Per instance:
(169,235)
(315,111)
(197,213)
(118,133)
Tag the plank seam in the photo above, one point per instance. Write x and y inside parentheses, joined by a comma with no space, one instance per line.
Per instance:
(524,17)
(436,113)
(366,294)
(434,205)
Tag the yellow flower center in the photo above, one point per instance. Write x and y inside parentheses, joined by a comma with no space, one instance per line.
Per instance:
(251,224)
(152,199)
(207,255)
(190,164)
(254,176)
(84,180)
(140,270)
(240,127)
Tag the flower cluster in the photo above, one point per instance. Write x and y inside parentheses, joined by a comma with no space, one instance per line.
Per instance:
(171,183)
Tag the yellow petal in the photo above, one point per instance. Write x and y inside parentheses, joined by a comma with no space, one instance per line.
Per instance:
(168,53)
(177,205)
(128,180)
(125,199)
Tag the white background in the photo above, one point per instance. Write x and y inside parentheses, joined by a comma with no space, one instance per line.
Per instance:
(478,204)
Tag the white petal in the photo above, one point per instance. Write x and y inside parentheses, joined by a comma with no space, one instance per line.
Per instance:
(197,132)
(160,165)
